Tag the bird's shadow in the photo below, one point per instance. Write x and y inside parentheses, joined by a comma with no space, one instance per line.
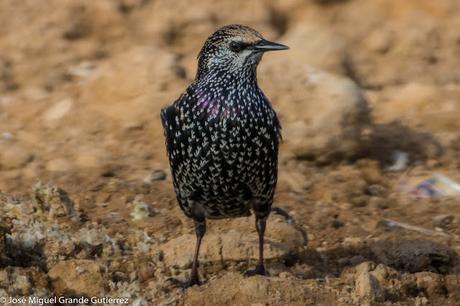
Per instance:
(385,139)
(403,255)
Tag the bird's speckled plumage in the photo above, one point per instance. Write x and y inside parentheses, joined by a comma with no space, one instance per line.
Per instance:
(222,134)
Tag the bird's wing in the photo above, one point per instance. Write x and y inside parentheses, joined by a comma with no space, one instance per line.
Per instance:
(170,121)
(180,142)
(278,127)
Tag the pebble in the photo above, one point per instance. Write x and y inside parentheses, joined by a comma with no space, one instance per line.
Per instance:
(421,301)
(53,200)
(368,287)
(58,110)
(7,135)
(141,210)
(376,190)
(442,220)
(377,202)
(364,267)
(381,273)
(133,125)
(352,241)
(83,70)
(155,175)
(360,201)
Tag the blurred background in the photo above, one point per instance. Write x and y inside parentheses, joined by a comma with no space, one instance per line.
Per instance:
(82,82)
(368,97)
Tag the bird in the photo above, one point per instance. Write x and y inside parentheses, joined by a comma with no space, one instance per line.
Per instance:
(222,137)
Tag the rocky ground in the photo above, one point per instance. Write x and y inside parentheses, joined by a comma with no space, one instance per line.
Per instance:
(86,200)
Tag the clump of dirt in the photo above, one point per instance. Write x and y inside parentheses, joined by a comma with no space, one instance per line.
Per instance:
(369,104)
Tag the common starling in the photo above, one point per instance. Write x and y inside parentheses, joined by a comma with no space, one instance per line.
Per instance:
(222,137)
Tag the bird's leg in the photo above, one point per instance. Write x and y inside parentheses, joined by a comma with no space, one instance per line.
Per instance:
(260,225)
(260,268)
(200,229)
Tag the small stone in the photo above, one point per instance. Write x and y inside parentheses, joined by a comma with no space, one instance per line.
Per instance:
(352,241)
(284,275)
(364,267)
(421,301)
(368,287)
(400,161)
(141,210)
(53,200)
(442,220)
(58,110)
(82,70)
(376,190)
(377,202)
(134,125)
(381,273)
(7,135)
(360,201)
(155,175)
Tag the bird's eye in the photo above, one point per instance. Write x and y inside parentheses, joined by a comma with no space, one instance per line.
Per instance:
(237,46)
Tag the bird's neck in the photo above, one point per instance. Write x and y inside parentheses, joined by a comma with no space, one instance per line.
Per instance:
(217,91)
(227,80)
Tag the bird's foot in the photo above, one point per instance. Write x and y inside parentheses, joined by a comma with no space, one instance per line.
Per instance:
(259,270)
(194,280)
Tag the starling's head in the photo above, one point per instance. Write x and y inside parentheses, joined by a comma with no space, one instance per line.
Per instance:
(234,48)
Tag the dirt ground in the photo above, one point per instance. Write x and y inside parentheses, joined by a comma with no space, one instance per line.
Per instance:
(87,206)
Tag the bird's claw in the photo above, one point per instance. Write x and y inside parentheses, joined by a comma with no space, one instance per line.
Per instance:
(259,270)
(185,284)
(194,280)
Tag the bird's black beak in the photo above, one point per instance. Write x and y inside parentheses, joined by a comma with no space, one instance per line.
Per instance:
(265,45)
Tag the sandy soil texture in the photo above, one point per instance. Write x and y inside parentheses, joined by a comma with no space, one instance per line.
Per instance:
(87,206)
